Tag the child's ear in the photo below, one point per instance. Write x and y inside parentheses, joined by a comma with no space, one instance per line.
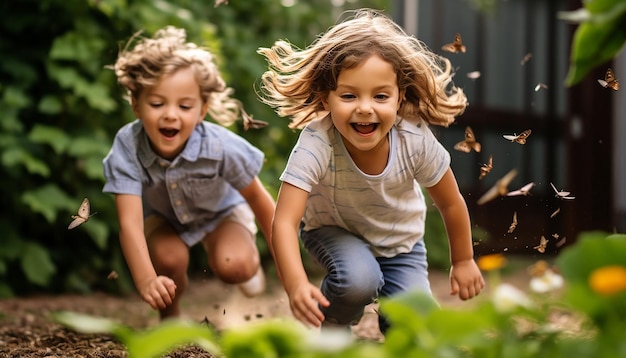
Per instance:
(325,103)
(204,111)
(135,106)
(401,98)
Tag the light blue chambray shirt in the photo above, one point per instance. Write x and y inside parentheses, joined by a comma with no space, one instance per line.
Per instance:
(194,191)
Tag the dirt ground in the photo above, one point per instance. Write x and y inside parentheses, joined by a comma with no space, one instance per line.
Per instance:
(26,329)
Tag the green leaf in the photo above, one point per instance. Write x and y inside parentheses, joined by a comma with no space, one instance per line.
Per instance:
(47,201)
(50,105)
(50,135)
(37,265)
(19,156)
(88,324)
(597,40)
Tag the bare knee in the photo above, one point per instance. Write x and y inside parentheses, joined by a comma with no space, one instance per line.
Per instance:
(234,268)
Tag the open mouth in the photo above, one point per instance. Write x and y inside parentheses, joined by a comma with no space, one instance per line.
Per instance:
(364,128)
(168,132)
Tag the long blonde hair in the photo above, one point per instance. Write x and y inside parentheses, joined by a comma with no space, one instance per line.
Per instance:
(298,80)
(167,52)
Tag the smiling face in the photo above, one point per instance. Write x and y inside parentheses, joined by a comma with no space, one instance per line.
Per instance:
(170,111)
(364,106)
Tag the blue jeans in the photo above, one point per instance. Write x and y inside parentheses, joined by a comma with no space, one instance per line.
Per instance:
(355,277)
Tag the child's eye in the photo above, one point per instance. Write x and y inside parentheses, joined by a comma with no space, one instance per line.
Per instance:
(185,107)
(381,97)
(155,104)
(348,96)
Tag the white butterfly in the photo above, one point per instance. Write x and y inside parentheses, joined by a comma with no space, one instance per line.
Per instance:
(562,194)
(525,190)
(521,138)
(83,214)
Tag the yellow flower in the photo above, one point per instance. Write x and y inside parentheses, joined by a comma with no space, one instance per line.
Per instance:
(608,280)
(491,262)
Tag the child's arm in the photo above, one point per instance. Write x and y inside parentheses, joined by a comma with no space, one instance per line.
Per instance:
(157,291)
(465,277)
(304,297)
(263,206)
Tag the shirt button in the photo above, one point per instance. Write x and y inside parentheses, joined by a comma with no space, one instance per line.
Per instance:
(173,186)
(185,216)
(178,202)
(163,164)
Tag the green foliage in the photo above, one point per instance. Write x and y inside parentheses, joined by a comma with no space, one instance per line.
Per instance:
(421,328)
(61,108)
(599,37)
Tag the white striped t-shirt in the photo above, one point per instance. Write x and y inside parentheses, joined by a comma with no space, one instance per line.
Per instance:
(388,209)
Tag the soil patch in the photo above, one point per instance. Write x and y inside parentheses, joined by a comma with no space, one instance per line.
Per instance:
(26,328)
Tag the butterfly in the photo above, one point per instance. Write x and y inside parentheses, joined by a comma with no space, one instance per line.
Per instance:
(456,46)
(112,275)
(526,58)
(514,223)
(609,80)
(473,75)
(562,194)
(499,189)
(521,138)
(249,122)
(486,168)
(83,215)
(525,190)
(468,143)
(540,85)
(543,244)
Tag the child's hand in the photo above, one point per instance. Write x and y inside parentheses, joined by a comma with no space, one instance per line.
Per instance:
(158,292)
(466,279)
(304,301)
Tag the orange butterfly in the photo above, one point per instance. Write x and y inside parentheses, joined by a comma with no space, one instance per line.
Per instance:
(609,80)
(521,138)
(468,143)
(486,168)
(456,46)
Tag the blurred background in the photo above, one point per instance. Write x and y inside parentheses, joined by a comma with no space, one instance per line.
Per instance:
(61,107)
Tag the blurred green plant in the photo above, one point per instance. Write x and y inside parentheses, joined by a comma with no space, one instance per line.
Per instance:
(508,323)
(600,36)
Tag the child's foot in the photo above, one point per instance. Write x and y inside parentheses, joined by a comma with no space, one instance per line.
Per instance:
(254,286)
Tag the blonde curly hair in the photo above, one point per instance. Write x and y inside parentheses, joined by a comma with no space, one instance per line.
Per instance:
(298,80)
(167,52)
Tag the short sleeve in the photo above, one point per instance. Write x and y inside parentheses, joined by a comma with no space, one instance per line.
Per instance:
(122,170)
(309,159)
(242,160)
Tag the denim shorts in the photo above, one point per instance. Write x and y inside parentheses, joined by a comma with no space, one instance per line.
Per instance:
(355,277)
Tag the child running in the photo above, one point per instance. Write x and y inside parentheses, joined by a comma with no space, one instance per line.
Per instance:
(179,180)
(364,93)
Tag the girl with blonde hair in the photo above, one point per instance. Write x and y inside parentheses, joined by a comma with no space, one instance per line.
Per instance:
(364,94)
